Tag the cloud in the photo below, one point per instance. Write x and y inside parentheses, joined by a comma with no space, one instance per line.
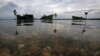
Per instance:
(41,7)
(7,10)
(3,2)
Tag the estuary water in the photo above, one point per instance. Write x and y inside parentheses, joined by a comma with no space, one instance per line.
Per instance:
(57,38)
(63,28)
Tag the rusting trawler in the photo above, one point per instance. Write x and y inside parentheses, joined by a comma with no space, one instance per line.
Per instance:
(26,19)
(77,20)
(47,19)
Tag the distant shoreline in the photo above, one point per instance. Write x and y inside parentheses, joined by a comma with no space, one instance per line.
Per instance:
(53,19)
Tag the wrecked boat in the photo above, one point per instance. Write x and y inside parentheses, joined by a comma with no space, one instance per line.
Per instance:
(47,19)
(77,19)
(27,18)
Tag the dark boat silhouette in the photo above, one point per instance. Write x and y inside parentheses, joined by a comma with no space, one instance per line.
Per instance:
(47,19)
(27,18)
(77,19)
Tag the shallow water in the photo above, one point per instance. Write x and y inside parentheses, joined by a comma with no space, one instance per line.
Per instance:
(40,35)
(63,27)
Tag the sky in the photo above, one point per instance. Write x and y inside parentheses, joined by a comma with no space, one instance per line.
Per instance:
(63,8)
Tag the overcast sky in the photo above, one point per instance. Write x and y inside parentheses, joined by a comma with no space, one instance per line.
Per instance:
(64,8)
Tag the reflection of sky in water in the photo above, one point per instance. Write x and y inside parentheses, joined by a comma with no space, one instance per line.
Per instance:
(40,29)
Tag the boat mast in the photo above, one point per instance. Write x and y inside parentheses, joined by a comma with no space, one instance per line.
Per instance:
(55,30)
(15,13)
(86,13)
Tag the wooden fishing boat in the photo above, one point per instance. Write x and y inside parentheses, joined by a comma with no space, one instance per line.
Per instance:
(77,19)
(47,19)
(27,18)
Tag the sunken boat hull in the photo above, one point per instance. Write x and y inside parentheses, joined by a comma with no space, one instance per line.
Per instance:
(25,19)
(77,19)
(47,19)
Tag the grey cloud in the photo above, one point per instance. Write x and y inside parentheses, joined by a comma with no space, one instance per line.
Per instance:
(7,10)
(41,7)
